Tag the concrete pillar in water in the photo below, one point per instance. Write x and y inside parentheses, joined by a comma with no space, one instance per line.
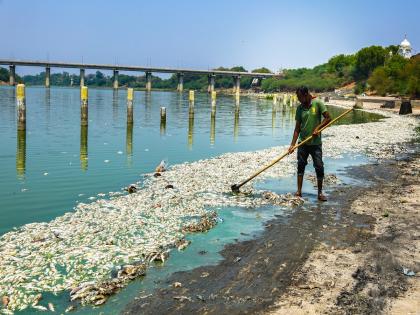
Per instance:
(180,86)
(212,80)
(21,106)
(162,120)
(148,81)
(130,101)
(190,129)
(12,75)
(84,147)
(82,77)
(237,85)
(47,77)
(84,106)
(115,85)
(275,99)
(191,100)
(213,99)
(359,103)
(21,153)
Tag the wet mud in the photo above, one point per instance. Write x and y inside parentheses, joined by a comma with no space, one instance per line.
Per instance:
(255,275)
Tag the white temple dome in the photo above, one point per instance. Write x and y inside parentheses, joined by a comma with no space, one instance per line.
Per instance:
(405,44)
(405,48)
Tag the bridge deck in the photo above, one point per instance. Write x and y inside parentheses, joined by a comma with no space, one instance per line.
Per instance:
(130,68)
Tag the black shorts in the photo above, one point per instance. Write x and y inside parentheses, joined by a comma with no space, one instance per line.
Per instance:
(315,151)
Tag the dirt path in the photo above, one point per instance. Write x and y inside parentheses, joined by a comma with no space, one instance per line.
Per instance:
(344,257)
(368,278)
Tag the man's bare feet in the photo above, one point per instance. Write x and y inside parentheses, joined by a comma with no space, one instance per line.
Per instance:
(322,197)
(298,194)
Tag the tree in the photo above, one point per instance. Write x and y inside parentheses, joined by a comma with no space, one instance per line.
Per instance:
(4,75)
(380,81)
(367,59)
(262,70)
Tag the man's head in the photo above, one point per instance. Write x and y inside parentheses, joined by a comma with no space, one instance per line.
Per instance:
(303,95)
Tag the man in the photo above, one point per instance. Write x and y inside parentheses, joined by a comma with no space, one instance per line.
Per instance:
(311,116)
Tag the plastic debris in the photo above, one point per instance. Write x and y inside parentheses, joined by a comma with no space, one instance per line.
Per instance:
(408,272)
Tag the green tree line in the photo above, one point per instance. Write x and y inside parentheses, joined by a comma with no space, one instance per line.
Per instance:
(375,68)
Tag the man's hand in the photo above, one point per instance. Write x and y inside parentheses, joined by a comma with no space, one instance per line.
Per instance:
(291,148)
(315,133)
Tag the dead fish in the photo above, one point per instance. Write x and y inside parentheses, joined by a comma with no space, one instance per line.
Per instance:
(182,298)
(51,307)
(161,167)
(169,186)
(40,307)
(5,300)
(131,189)
(70,308)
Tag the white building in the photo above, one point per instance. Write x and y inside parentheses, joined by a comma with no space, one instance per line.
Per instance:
(405,48)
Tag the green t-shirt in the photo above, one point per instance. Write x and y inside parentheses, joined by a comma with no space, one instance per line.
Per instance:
(309,119)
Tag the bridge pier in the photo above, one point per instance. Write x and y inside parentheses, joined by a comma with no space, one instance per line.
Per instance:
(82,77)
(84,106)
(180,87)
(12,75)
(115,85)
(212,79)
(237,84)
(47,77)
(130,100)
(21,106)
(148,81)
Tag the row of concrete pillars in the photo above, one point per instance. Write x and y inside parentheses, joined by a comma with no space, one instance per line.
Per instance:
(84,121)
(115,85)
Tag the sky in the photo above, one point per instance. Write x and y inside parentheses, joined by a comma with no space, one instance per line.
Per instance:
(202,34)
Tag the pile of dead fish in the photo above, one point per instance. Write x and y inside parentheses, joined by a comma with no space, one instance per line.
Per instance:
(80,251)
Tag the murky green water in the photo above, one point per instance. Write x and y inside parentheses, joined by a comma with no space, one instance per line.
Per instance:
(56,163)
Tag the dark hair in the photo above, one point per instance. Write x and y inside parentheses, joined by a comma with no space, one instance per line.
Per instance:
(303,90)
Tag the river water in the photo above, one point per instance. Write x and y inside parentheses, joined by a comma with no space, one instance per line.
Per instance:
(57,163)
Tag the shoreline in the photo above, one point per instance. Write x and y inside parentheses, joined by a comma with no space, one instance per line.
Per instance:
(316,263)
(70,238)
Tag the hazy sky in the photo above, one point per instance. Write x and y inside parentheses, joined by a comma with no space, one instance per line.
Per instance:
(202,34)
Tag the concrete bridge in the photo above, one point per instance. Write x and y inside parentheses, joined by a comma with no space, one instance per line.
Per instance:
(211,74)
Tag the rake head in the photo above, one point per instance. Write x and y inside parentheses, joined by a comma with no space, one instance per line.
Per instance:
(235,188)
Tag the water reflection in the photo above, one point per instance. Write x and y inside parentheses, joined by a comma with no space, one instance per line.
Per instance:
(163,126)
(48,106)
(129,143)
(115,104)
(273,119)
(190,128)
(213,126)
(21,153)
(148,105)
(83,147)
(236,124)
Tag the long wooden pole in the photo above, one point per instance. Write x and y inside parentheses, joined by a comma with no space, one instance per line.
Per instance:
(235,187)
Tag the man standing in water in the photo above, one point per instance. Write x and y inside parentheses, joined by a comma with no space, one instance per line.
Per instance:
(309,121)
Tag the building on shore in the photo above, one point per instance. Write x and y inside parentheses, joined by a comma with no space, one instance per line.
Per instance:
(405,49)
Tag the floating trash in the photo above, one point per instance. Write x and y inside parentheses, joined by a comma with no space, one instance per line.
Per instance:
(99,247)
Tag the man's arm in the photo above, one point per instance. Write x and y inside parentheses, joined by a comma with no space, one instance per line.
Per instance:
(325,121)
(295,136)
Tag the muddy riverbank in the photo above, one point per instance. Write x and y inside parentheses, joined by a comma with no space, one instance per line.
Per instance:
(343,257)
